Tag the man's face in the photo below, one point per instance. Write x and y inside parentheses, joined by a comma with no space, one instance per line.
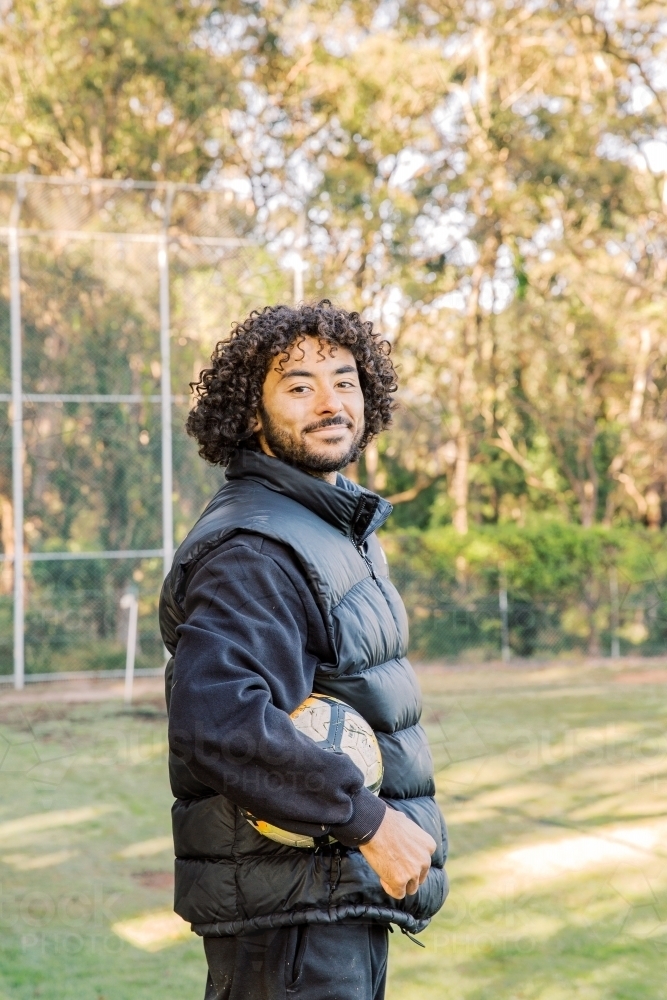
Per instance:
(312,411)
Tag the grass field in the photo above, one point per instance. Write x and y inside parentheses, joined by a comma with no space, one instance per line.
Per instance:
(554,783)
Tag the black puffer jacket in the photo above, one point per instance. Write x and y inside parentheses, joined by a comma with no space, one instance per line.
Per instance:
(229,879)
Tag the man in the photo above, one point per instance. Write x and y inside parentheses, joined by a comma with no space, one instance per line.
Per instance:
(281,589)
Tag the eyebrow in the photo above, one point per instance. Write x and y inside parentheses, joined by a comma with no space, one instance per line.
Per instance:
(302,373)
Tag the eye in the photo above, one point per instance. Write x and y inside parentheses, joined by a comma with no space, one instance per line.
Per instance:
(301,389)
(346,385)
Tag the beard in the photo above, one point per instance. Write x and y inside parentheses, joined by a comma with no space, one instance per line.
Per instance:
(304,455)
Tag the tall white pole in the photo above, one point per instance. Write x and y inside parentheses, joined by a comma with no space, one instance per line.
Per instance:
(165,395)
(17,436)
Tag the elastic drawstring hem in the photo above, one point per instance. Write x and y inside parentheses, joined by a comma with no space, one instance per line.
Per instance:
(412,938)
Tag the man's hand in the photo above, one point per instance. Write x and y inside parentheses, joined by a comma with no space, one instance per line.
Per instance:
(400,853)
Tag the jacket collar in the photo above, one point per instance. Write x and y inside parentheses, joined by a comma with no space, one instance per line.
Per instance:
(350,508)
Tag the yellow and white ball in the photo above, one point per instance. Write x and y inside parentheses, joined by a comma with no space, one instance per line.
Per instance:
(338,728)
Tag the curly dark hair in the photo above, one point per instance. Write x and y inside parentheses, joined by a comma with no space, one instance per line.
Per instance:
(230,391)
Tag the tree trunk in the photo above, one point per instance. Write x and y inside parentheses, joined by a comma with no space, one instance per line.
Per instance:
(371,456)
(641,377)
(594,640)
(653,510)
(460,484)
(589,500)
(592,601)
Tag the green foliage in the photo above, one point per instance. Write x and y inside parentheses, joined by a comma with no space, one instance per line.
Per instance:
(114,89)
(560,579)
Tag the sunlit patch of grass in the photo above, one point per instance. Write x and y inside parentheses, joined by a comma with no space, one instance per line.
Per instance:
(559,840)
(57,936)
(31,862)
(153,931)
(147,848)
(50,820)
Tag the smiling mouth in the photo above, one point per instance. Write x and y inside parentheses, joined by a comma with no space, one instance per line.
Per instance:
(333,429)
(336,427)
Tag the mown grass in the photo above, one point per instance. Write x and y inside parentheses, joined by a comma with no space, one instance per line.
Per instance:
(554,783)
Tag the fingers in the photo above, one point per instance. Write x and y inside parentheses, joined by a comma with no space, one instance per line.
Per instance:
(409,888)
(429,843)
(400,854)
(414,883)
(395,891)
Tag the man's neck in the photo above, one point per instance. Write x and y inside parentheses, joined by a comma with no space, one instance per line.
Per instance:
(328,477)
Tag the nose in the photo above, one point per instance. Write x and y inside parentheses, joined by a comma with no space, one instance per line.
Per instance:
(328,403)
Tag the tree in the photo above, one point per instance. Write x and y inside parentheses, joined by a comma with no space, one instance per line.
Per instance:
(125,89)
(494,182)
(473,176)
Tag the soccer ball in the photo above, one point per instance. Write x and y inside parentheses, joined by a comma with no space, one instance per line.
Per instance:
(336,727)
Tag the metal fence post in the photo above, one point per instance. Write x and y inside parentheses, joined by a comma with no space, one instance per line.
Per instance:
(504,621)
(165,392)
(17,435)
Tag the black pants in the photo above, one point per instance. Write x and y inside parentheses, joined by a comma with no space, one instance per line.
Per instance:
(309,962)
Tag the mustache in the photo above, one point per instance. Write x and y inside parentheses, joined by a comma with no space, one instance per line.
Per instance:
(328,422)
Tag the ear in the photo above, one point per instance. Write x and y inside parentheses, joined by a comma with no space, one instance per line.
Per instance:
(255,424)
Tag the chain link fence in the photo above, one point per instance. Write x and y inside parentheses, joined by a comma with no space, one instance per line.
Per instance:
(446,622)
(112,295)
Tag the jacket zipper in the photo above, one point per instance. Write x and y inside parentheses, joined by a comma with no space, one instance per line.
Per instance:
(369,564)
(357,545)
(335,873)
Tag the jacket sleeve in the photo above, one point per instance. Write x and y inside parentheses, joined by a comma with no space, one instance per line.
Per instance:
(243,662)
